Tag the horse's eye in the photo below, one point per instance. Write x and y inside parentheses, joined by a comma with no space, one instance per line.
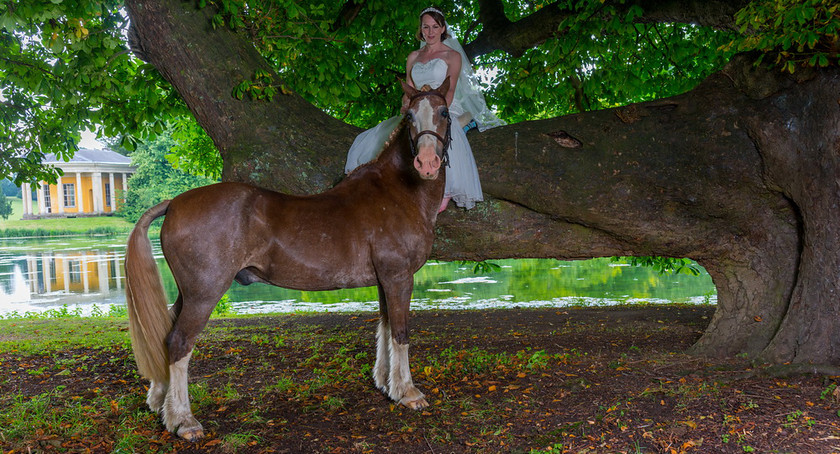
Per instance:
(444,113)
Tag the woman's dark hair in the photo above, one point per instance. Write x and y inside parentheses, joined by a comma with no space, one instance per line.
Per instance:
(439,19)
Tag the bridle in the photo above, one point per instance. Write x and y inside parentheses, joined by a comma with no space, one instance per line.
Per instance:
(445,140)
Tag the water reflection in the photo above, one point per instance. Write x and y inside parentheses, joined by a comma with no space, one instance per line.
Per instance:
(54,273)
(39,275)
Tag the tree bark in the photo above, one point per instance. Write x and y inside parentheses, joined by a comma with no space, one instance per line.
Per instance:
(741,174)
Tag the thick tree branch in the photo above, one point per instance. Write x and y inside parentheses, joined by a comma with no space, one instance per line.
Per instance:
(514,38)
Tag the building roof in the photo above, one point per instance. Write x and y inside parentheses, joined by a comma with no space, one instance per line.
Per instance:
(92,156)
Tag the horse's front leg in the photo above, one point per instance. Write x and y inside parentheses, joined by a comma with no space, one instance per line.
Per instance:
(400,385)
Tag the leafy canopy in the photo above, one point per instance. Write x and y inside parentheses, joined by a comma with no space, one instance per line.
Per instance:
(65,65)
(64,68)
(155,179)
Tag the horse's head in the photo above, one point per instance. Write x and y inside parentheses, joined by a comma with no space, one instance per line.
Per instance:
(429,124)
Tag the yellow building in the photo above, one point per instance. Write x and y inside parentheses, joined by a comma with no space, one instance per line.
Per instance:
(93,184)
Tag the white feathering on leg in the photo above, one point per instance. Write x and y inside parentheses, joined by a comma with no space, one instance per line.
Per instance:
(383,351)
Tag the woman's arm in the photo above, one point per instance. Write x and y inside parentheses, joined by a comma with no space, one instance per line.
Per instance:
(412,57)
(453,62)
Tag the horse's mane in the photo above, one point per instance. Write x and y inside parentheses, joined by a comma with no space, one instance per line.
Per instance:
(394,134)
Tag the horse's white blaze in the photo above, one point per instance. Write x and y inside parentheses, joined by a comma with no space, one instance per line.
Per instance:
(423,122)
(381,368)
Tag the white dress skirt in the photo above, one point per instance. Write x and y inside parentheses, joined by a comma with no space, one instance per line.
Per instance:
(462,183)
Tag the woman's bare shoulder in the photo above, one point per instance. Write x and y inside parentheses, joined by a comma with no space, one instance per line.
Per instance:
(413,56)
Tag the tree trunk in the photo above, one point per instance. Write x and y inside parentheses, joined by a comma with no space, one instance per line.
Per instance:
(740,174)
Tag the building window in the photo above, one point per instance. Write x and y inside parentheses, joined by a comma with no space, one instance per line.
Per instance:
(69,195)
(107,194)
(74,267)
(47,202)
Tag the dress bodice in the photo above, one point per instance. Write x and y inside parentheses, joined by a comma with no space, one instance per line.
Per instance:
(432,73)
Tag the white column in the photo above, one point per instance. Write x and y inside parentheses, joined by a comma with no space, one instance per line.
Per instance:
(32,274)
(42,206)
(80,199)
(113,192)
(117,271)
(102,268)
(96,184)
(60,195)
(65,271)
(45,266)
(83,268)
(26,195)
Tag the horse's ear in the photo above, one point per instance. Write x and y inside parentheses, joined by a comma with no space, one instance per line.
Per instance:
(408,89)
(444,87)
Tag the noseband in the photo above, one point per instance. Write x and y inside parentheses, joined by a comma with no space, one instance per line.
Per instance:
(446,140)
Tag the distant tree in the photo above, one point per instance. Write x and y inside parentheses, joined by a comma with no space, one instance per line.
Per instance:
(155,180)
(5,206)
(9,188)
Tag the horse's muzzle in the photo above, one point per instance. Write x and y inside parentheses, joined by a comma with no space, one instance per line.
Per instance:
(427,163)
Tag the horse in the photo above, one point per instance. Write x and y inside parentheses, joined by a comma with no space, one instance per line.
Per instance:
(375,227)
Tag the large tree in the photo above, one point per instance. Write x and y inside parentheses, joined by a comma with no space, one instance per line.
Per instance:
(739,170)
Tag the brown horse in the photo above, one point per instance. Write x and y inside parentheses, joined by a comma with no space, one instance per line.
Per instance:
(374,228)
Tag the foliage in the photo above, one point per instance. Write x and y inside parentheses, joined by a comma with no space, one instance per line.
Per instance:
(348,67)
(36,232)
(10,189)
(664,265)
(155,179)
(193,151)
(484,266)
(65,67)
(65,312)
(602,59)
(801,33)
(5,206)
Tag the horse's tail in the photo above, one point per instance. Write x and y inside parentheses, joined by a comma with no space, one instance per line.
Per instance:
(149,319)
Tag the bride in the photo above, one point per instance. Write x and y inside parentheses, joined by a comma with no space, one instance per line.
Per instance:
(439,56)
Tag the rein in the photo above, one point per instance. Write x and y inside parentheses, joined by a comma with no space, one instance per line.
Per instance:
(445,140)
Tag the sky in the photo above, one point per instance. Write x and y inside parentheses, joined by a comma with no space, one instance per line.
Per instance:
(89,141)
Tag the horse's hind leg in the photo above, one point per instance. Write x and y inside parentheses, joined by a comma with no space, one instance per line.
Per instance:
(177,415)
(158,389)
(381,368)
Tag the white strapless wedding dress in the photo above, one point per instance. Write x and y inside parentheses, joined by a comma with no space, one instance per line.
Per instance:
(462,182)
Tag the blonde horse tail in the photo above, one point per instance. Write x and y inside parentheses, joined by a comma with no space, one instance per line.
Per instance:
(149,319)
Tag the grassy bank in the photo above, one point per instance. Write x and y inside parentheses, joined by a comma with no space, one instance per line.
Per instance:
(514,381)
(15,227)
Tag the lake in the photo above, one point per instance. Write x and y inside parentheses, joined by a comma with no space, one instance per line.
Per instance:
(38,275)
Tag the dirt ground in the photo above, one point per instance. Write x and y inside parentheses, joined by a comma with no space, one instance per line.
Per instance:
(573,380)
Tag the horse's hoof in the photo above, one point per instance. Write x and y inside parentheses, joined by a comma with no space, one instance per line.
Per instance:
(191,434)
(418,404)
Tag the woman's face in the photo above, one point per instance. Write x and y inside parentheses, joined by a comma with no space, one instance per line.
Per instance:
(431,29)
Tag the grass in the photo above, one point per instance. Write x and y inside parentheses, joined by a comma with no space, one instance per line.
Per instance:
(48,335)
(69,384)
(102,225)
